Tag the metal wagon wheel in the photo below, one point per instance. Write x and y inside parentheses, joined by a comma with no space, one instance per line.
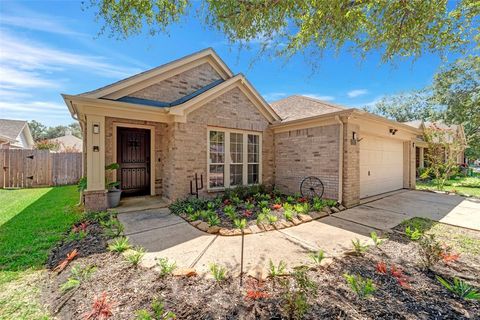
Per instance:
(311,187)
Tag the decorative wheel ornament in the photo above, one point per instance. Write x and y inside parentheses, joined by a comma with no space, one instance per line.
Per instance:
(311,187)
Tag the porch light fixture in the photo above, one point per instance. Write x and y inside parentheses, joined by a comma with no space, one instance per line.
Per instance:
(96,128)
(393,131)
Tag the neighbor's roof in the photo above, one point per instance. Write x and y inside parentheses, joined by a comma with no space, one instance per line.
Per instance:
(11,128)
(298,107)
(69,140)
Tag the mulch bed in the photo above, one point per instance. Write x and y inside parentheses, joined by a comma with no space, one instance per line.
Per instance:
(131,289)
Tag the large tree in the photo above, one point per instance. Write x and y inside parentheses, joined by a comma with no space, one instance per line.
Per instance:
(403,28)
(42,132)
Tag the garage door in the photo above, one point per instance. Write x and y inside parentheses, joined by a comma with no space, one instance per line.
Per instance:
(381,165)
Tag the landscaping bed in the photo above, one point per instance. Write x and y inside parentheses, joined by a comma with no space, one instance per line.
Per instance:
(465,186)
(401,286)
(252,210)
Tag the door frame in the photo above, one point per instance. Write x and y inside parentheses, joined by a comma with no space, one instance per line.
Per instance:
(153,159)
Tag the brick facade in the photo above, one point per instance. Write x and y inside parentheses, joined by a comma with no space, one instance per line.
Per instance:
(351,165)
(307,152)
(179,85)
(95,200)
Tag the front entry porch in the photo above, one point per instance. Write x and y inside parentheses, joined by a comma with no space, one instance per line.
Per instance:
(141,203)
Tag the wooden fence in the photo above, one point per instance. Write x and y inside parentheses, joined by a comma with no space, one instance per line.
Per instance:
(34,168)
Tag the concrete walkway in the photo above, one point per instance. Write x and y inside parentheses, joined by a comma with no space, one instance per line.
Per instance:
(165,235)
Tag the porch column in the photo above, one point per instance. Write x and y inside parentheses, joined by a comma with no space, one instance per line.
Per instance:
(421,162)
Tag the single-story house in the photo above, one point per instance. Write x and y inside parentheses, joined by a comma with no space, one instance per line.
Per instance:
(194,116)
(15,134)
(68,143)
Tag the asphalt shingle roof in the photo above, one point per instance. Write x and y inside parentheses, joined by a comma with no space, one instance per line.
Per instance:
(11,128)
(299,107)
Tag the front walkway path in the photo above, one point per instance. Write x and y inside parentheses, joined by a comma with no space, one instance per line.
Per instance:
(165,235)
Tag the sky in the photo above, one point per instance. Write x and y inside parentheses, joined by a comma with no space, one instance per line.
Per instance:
(53,47)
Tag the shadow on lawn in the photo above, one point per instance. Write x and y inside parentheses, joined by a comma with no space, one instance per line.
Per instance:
(27,238)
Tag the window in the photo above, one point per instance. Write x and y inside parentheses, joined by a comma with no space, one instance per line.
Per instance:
(233,159)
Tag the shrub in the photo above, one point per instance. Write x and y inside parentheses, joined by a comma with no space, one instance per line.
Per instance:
(297,293)
(101,309)
(76,235)
(359,248)
(430,251)
(213,219)
(272,218)
(275,271)
(460,288)
(376,240)
(289,214)
(112,227)
(77,276)
(264,204)
(119,245)
(249,206)
(180,205)
(363,287)
(331,202)
(318,204)
(317,257)
(165,266)
(291,200)
(240,223)
(158,312)
(302,208)
(413,234)
(230,212)
(134,256)
(218,272)
(262,217)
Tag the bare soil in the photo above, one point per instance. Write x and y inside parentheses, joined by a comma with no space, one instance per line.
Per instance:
(131,289)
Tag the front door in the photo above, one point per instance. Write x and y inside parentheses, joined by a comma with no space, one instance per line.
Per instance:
(133,156)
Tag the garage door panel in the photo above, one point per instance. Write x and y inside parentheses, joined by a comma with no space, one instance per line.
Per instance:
(381,165)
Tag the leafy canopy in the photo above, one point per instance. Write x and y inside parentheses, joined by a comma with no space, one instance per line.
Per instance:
(397,28)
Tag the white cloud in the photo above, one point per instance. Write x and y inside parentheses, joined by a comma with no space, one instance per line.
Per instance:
(273,96)
(33,21)
(318,96)
(357,93)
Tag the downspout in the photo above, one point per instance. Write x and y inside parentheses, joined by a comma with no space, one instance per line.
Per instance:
(340,160)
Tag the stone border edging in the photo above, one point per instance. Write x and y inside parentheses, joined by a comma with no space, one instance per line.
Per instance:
(263,227)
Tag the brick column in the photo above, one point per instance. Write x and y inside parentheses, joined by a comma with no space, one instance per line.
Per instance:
(95,200)
(351,165)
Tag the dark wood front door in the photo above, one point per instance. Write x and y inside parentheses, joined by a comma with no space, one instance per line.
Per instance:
(133,156)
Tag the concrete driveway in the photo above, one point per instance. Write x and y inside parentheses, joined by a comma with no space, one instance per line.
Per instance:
(165,235)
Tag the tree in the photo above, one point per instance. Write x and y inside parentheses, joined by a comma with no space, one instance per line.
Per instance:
(41,132)
(37,129)
(457,88)
(404,28)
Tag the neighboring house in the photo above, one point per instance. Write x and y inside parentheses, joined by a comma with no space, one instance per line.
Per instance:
(194,116)
(68,143)
(15,134)
(457,131)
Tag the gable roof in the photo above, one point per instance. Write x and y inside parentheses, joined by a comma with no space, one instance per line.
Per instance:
(11,128)
(125,86)
(298,107)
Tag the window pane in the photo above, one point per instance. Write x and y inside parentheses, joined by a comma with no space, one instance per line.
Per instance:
(236,174)
(217,147)
(253,148)
(216,176)
(236,147)
(253,173)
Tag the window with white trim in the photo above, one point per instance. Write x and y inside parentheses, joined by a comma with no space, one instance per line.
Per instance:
(234,158)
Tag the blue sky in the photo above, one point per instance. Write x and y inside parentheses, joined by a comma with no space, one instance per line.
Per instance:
(48,48)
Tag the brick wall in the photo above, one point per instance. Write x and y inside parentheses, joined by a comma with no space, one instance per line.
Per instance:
(351,165)
(179,85)
(188,148)
(307,152)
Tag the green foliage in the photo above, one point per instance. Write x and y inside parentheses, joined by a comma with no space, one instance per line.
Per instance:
(460,288)
(249,205)
(191,204)
(289,214)
(430,251)
(376,240)
(297,294)
(134,256)
(76,235)
(317,257)
(69,284)
(166,267)
(212,218)
(240,223)
(82,184)
(261,218)
(363,287)
(112,227)
(271,218)
(230,212)
(119,245)
(264,204)
(157,312)
(318,204)
(218,272)
(291,200)
(359,248)
(302,208)
(77,276)
(276,270)
(413,234)
(331,202)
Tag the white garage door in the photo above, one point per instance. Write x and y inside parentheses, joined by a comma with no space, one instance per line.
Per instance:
(381,165)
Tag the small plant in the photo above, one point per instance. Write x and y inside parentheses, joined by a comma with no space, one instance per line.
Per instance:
(264,204)
(101,308)
(113,227)
(62,265)
(289,214)
(119,245)
(230,212)
(317,257)
(218,272)
(318,204)
(460,288)
(401,278)
(430,251)
(277,206)
(256,295)
(249,206)
(275,271)
(376,240)
(240,223)
(297,294)
(211,205)
(76,235)
(158,312)
(302,208)
(261,218)
(77,276)
(331,202)
(166,267)
(291,199)
(213,219)
(381,267)
(271,218)
(413,234)
(363,287)
(195,215)
(189,210)
(359,248)
(448,257)
(134,256)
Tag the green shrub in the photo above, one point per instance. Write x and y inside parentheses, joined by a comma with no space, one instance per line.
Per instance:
(376,240)
(213,219)
(317,257)
(158,312)
(271,218)
(359,248)
(331,202)
(264,204)
(240,223)
(275,271)
(460,288)
(318,204)
(289,214)
(77,276)
(166,267)
(363,287)
(134,256)
(302,208)
(230,212)
(413,234)
(430,251)
(112,227)
(297,294)
(119,245)
(249,206)
(218,272)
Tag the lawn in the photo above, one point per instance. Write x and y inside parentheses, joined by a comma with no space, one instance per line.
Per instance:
(462,185)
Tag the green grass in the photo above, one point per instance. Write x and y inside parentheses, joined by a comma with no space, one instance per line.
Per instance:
(462,185)
(31,222)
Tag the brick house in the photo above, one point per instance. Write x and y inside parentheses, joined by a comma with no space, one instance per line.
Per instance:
(194,116)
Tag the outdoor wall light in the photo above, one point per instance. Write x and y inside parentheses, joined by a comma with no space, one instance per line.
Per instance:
(96,128)
(354,136)
(393,131)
